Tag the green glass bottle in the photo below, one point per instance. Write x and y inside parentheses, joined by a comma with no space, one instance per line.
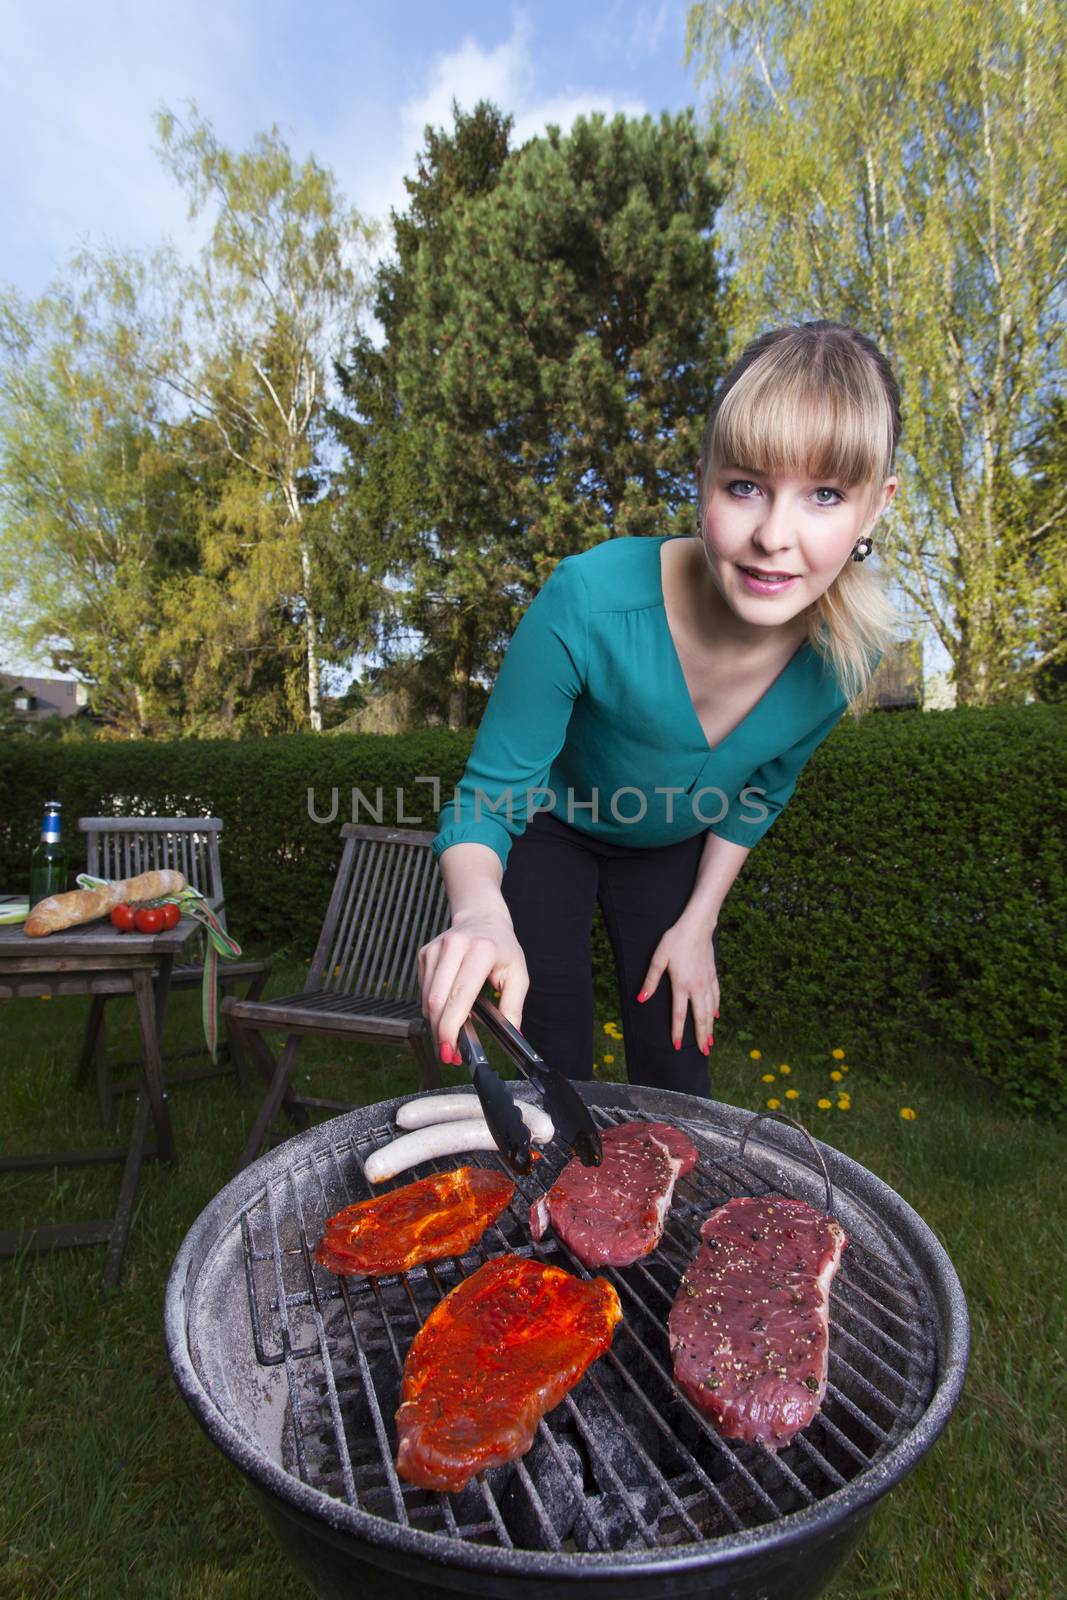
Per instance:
(48,864)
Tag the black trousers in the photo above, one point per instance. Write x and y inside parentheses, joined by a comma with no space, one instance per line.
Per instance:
(554,877)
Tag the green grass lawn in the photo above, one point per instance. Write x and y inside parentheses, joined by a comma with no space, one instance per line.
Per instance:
(108,1487)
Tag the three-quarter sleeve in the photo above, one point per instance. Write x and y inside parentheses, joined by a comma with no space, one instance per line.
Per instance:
(761,801)
(525,722)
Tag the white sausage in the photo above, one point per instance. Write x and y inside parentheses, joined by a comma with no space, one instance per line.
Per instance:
(442,1139)
(433,1108)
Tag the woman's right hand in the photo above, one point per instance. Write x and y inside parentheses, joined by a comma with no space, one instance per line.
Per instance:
(452,973)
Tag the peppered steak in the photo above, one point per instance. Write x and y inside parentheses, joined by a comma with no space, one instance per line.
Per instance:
(749,1327)
(611,1215)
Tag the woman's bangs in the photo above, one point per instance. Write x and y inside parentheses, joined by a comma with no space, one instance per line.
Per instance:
(783,424)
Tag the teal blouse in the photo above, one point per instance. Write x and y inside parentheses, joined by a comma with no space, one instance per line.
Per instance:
(591,718)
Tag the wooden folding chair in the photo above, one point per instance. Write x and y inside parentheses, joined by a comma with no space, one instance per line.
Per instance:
(388,900)
(121,847)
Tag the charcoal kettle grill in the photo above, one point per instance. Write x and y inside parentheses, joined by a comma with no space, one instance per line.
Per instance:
(627,1491)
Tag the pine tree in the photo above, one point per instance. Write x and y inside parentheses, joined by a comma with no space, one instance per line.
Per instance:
(552,342)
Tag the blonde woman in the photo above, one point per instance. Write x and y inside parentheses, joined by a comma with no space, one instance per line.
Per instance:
(654,710)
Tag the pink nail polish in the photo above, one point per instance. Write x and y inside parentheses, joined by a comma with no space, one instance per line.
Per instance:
(677,1044)
(642,997)
(716,1016)
(446,1054)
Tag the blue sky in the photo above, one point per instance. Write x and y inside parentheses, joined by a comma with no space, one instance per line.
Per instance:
(353,83)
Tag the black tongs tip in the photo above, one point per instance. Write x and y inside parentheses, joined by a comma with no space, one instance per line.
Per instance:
(573,1120)
(590,1151)
(503,1117)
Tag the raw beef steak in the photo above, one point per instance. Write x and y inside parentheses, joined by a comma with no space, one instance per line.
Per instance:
(749,1328)
(611,1215)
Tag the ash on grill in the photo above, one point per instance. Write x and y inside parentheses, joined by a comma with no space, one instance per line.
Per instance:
(625,1462)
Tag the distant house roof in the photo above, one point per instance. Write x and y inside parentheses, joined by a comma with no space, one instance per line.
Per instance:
(36,698)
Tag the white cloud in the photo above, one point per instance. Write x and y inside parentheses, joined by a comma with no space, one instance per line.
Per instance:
(467,75)
(563,109)
(503,73)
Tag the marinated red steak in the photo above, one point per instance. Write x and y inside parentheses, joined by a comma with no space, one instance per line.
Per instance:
(749,1328)
(490,1359)
(611,1215)
(442,1215)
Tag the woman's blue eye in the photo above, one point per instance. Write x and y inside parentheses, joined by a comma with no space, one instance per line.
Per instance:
(746,483)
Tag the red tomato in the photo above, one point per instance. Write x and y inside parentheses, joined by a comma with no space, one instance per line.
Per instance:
(171,914)
(149,919)
(122,917)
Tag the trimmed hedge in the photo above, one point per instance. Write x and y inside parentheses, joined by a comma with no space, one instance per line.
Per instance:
(911,897)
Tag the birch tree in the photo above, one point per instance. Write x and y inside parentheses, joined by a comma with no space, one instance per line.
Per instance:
(95,513)
(247,340)
(900,166)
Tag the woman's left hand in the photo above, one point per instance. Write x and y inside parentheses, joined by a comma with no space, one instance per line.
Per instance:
(687,956)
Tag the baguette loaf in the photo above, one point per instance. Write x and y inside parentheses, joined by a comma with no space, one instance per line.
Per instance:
(149,886)
(61,911)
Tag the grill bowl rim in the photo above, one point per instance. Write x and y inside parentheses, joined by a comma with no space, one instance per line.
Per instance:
(812,1523)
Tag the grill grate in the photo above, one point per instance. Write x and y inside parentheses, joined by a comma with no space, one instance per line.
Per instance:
(625,1461)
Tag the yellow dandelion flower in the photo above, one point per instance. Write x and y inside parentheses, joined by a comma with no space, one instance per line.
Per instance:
(608,1059)
(835,1077)
(768,1077)
(611,1027)
(774,1105)
(844,1105)
(45,997)
(755,1055)
(843,1067)
(907,1113)
(838,1055)
(785,1068)
(792,1094)
(823,1105)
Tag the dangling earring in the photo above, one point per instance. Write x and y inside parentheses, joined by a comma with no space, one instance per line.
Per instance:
(857,554)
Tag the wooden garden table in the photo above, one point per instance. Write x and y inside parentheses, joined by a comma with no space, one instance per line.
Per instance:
(96,959)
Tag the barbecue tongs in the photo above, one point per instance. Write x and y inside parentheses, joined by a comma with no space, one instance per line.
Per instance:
(570,1114)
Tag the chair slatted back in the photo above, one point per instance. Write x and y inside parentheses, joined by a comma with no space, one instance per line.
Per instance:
(388,899)
(122,847)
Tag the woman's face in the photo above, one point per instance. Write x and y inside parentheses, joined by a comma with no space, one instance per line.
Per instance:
(803,527)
